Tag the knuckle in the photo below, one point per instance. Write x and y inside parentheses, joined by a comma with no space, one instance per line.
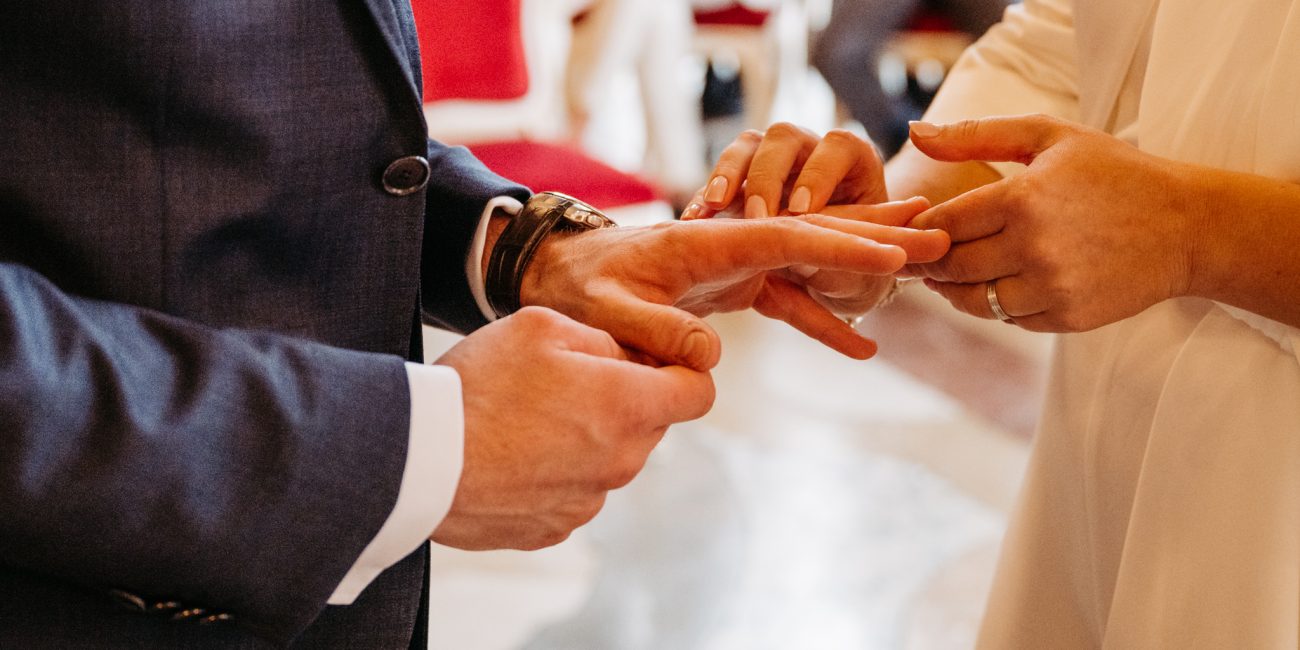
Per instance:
(621,474)
(750,136)
(537,317)
(968,129)
(784,131)
(956,268)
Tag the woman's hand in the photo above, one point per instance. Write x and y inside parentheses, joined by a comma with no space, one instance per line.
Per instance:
(1092,232)
(790,171)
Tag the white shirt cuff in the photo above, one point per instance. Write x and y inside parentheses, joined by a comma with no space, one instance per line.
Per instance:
(474,263)
(434,457)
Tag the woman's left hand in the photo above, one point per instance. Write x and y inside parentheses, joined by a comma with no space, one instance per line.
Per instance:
(1092,232)
(789,170)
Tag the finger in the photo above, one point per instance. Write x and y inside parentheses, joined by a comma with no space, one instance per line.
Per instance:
(1015,297)
(659,397)
(976,214)
(994,139)
(893,213)
(787,302)
(974,261)
(920,245)
(731,169)
(666,333)
(841,164)
(696,209)
(768,244)
(572,335)
(784,148)
(845,288)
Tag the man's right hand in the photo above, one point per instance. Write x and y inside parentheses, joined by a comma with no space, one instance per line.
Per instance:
(555,417)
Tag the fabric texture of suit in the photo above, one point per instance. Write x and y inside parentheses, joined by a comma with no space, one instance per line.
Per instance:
(206,299)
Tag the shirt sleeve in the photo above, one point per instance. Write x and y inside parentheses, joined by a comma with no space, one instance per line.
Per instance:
(1028,63)
(434,459)
(474,261)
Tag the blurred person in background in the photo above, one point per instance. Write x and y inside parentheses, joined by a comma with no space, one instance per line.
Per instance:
(1151,214)
(652,41)
(847,53)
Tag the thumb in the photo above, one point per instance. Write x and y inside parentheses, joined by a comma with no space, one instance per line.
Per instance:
(666,333)
(993,139)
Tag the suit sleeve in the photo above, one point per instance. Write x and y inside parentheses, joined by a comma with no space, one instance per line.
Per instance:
(464,187)
(226,469)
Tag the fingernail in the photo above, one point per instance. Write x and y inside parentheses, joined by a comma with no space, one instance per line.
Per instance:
(803,270)
(717,190)
(696,348)
(755,207)
(800,200)
(923,129)
(691,211)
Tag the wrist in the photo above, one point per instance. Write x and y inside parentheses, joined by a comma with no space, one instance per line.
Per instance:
(1201,209)
(496,224)
(516,242)
(550,251)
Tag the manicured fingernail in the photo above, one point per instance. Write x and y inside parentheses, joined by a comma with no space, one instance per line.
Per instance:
(923,129)
(755,208)
(691,211)
(717,190)
(800,200)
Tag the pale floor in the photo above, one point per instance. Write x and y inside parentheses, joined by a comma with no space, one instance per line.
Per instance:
(824,503)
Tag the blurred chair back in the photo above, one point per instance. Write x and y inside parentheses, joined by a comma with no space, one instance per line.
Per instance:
(472,37)
(493,81)
(492,67)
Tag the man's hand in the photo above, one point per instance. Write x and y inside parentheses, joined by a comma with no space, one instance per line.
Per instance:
(555,417)
(1092,232)
(788,170)
(649,287)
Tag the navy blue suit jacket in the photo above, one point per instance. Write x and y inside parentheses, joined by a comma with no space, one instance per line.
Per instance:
(206,298)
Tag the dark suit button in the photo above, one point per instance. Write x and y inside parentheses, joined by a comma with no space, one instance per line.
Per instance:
(406,175)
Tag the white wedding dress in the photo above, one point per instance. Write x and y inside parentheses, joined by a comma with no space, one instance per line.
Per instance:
(1162,503)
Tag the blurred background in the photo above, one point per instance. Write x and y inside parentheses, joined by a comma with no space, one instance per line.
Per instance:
(824,503)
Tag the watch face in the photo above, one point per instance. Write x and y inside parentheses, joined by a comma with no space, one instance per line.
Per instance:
(578,214)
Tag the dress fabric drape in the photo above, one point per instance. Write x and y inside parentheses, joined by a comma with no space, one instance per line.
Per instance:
(1162,503)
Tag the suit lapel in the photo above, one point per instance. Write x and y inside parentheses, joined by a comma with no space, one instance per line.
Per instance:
(1109,34)
(399,39)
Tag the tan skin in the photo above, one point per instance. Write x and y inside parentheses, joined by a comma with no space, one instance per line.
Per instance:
(556,411)
(1165,229)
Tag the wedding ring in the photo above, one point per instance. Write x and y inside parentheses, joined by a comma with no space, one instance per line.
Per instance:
(991,292)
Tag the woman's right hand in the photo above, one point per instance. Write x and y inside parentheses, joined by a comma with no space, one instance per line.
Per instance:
(789,170)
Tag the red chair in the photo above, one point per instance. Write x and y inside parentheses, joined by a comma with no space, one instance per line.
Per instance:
(496,87)
(764,52)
